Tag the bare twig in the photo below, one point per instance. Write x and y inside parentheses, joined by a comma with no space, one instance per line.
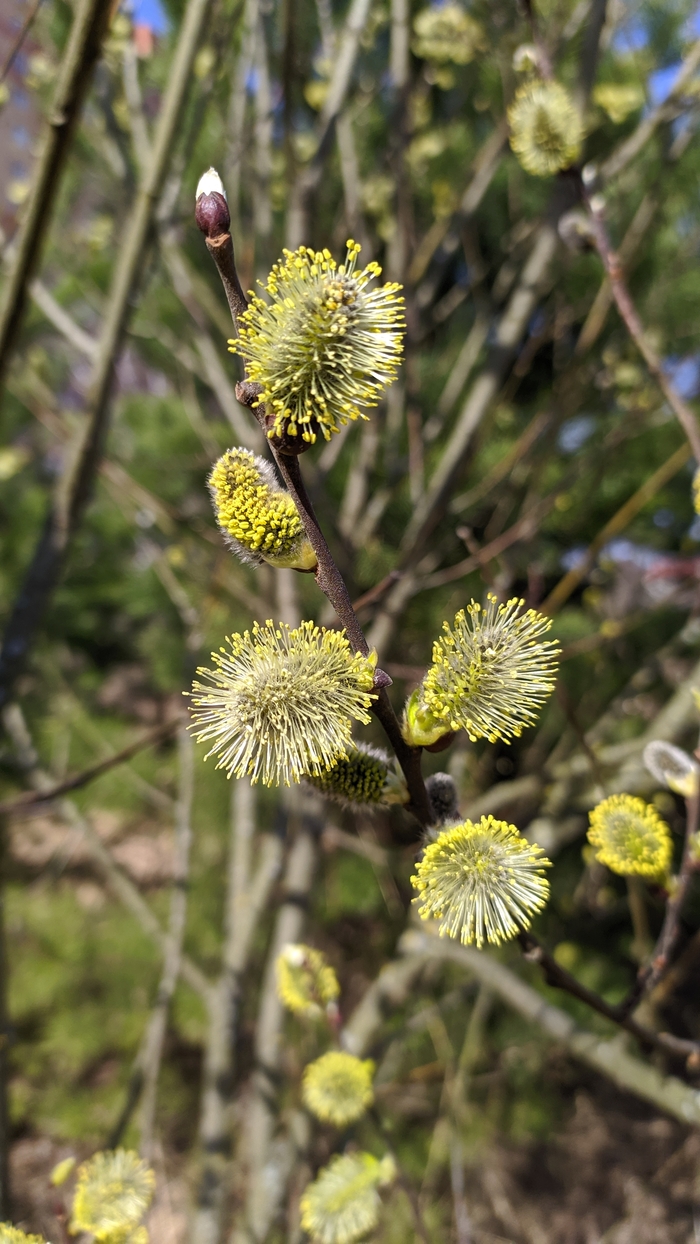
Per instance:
(610,1058)
(263,1189)
(630,317)
(341,76)
(155,1034)
(59,317)
(660,959)
(68,507)
(17,46)
(77,64)
(247,894)
(559,978)
(137,117)
(30,799)
(665,111)
(5,1122)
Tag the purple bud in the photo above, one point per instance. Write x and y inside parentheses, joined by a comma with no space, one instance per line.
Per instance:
(212,215)
(381,680)
(211,209)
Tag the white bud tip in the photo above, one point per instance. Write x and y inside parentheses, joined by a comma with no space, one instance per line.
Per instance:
(210,183)
(294,955)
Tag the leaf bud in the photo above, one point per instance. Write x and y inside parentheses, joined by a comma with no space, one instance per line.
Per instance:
(211,208)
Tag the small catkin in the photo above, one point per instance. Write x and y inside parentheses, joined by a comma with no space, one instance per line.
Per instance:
(490,675)
(258,518)
(365,777)
(483,881)
(630,838)
(545,128)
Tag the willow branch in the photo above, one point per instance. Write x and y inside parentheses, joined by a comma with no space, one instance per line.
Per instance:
(609,1058)
(632,322)
(623,155)
(72,498)
(263,1190)
(559,978)
(172,959)
(77,65)
(247,894)
(31,798)
(328,576)
(333,586)
(660,959)
(341,76)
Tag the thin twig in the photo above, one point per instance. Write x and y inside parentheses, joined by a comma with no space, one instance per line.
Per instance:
(559,978)
(77,65)
(155,1034)
(66,512)
(660,959)
(30,798)
(633,324)
(26,26)
(247,894)
(610,1058)
(263,1192)
(6,1127)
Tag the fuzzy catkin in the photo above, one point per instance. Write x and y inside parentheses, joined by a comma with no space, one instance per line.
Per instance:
(258,518)
(281,702)
(483,881)
(322,345)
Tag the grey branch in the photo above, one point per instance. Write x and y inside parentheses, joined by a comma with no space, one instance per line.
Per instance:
(609,1057)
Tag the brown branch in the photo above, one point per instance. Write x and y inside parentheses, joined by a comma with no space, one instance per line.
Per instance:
(558,977)
(32,797)
(666,1093)
(221,250)
(78,63)
(28,21)
(523,529)
(631,320)
(659,962)
(333,586)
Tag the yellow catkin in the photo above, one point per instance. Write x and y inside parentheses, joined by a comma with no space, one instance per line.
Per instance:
(281,702)
(337,1087)
(306,983)
(113,1192)
(259,519)
(545,128)
(342,1205)
(630,838)
(322,345)
(482,880)
(491,673)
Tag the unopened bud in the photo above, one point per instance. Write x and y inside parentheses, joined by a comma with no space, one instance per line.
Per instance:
(673,767)
(211,208)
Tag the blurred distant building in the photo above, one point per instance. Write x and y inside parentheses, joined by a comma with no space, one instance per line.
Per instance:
(20,117)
